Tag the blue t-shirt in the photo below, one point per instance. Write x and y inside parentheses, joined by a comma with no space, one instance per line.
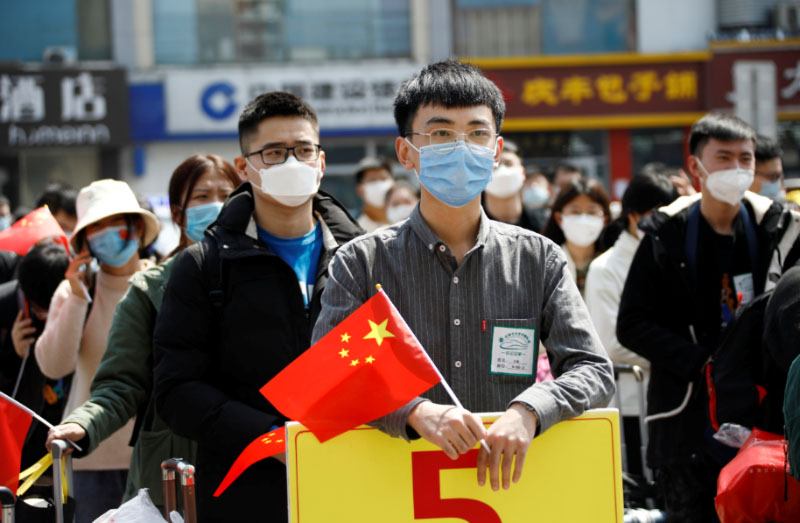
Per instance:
(302,255)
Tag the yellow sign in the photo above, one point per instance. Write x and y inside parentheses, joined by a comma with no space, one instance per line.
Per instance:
(572,473)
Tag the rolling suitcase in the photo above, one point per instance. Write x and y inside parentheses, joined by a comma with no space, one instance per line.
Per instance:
(39,504)
(170,470)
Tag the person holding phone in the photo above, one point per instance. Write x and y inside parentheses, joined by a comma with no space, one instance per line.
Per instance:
(111,228)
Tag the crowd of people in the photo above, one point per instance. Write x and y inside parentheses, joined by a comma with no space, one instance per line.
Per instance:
(139,356)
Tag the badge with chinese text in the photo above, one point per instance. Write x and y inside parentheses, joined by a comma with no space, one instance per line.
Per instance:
(513,351)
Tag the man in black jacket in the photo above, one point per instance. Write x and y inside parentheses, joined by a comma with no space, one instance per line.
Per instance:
(702,257)
(240,305)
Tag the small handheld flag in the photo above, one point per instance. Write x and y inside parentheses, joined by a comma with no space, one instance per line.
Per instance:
(263,447)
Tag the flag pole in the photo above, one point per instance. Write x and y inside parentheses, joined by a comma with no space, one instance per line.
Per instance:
(425,352)
(38,418)
(21,370)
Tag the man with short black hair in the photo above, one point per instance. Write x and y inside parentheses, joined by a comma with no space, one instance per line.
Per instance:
(768,179)
(502,198)
(701,258)
(60,199)
(373,180)
(240,305)
(463,281)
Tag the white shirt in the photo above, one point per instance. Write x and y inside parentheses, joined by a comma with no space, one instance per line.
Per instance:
(604,284)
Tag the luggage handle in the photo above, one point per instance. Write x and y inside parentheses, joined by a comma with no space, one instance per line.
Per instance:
(170,469)
(7,502)
(58,449)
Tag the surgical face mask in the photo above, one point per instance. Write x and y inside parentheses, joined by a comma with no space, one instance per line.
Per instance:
(5,222)
(728,185)
(535,197)
(400,212)
(770,189)
(582,229)
(112,247)
(375,192)
(199,217)
(291,183)
(455,174)
(506,181)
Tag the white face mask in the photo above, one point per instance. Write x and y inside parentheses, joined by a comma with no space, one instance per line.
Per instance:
(400,212)
(582,229)
(506,181)
(291,183)
(728,185)
(375,192)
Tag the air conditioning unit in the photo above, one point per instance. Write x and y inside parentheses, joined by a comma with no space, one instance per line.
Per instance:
(60,55)
(786,17)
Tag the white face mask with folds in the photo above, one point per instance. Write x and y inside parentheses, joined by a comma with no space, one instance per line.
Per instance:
(375,192)
(728,185)
(291,183)
(506,181)
(582,229)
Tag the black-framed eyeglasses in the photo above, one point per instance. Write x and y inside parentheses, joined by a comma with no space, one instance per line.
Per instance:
(482,137)
(307,152)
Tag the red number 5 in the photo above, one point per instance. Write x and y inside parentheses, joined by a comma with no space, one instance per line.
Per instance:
(428,503)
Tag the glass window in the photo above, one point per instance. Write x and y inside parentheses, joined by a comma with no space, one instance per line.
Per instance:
(789,140)
(581,26)
(657,145)
(94,33)
(204,31)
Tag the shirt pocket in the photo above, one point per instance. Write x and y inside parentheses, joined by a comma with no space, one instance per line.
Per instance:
(512,348)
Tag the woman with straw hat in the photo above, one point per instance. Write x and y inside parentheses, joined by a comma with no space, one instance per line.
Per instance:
(111,228)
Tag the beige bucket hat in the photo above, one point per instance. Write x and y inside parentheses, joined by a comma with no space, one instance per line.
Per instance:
(105,198)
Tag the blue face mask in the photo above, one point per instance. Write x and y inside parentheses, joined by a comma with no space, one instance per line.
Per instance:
(455,175)
(199,218)
(111,248)
(770,189)
(5,222)
(535,197)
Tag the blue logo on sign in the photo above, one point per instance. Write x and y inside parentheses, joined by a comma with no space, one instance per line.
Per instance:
(217,100)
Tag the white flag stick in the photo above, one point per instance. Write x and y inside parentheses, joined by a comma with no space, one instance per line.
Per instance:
(441,378)
(38,418)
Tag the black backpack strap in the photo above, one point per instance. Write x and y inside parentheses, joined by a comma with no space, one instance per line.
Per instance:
(213,270)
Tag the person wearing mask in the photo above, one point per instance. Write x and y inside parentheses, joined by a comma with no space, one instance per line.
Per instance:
(537,195)
(564,173)
(240,305)
(768,179)
(502,198)
(400,201)
(122,385)
(604,283)
(701,258)
(456,276)
(373,180)
(111,228)
(24,304)
(5,213)
(60,199)
(579,215)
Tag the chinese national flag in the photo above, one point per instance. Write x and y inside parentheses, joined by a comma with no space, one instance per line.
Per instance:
(29,229)
(262,447)
(369,365)
(14,425)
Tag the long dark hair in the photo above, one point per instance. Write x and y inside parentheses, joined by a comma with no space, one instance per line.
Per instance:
(585,186)
(645,192)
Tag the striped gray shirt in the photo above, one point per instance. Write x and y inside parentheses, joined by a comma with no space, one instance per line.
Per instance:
(511,278)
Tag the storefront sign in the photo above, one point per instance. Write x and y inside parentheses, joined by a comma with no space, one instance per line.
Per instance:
(348,97)
(63,108)
(610,91)
(572,473)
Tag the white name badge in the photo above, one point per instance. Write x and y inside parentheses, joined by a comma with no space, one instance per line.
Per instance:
(513,350)
(745,287)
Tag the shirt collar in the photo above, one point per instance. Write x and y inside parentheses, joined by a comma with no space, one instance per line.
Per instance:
(429,238)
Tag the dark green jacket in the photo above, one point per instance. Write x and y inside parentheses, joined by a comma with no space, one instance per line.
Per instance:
(122,387)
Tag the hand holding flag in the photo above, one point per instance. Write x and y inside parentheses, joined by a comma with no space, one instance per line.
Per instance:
(371,364)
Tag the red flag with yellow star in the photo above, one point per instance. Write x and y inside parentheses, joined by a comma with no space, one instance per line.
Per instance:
(369,365)
(263,447)
(29,229)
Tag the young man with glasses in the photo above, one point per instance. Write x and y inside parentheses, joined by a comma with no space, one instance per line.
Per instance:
(463,281)
(241,303)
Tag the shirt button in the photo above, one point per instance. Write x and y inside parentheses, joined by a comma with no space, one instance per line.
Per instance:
(457,322)
(430,246)
(458,364)
(442,248)
(455,279)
